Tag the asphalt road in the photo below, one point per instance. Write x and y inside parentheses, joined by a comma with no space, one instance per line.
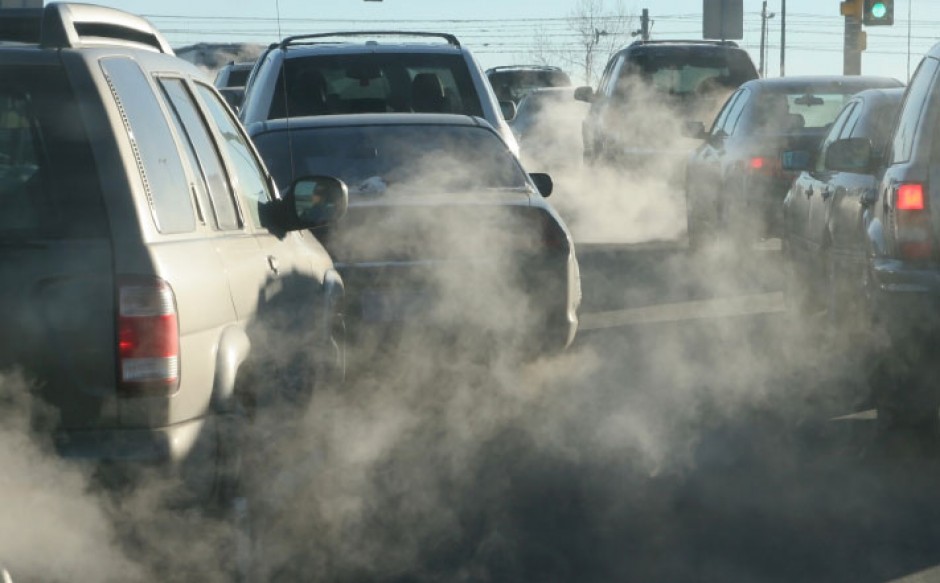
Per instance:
(696,431)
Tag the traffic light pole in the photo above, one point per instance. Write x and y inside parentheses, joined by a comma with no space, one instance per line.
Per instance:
(851,49)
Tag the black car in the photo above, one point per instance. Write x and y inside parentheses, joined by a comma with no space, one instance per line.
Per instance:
(445,230)
(513,82)
(681,79)
(823,210)
(735,184)
(898,287)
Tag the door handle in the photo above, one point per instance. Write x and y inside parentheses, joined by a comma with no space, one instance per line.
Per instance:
(273,264)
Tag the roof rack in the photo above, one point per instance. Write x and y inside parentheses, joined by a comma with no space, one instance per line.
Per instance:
(724,43)
(514,67)
(66,25)
(451,39)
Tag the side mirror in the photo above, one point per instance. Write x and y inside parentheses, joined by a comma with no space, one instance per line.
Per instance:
(796,160)
(508,109)
(585,94)
(543,183)
(695,130)
(850,155)
(315,201)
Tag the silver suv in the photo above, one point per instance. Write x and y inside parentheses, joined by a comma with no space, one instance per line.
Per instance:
(323,74)
(148,267)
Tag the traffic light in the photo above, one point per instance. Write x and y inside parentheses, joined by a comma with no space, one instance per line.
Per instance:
(878,13)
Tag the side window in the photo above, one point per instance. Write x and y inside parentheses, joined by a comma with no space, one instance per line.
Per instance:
(606,85)
(203,153)
(161,169)
(835,132)
(251,182)
(734,116)
(914,103)
(723,114)
(851,122)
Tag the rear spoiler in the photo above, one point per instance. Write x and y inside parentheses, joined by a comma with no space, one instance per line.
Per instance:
(66,25)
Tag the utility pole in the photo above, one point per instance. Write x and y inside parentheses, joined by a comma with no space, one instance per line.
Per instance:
(783,38)
(764,17)
(853,41)
(645,24)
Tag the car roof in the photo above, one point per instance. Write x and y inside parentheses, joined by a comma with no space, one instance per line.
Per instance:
(817,82)
(371,119)
(354,48)
(881,94)
(511,68)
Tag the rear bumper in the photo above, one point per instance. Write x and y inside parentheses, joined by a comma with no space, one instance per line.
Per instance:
(905,300)
(162,445)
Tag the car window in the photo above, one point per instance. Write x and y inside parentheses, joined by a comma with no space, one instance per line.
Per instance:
(834,134)
(877,125)
(213,190)
(373,159)
(514,85)
(914,103)
(851,121)
(734,116)
(723,114)
(605,85)
(681,71)
(48,185)
(159,164)
(250,175)
(375,83)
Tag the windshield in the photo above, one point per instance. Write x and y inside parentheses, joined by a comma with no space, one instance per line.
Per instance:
(684,72)
(375,83)
(782,112)
(514,85)
(402,158)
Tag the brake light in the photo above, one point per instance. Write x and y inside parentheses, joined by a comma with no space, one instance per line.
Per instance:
(912,222)
(757,163)
(553,236)
(910,197)
(768,165)
(148,337)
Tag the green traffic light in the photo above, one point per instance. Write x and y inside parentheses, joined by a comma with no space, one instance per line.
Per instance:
(879,10)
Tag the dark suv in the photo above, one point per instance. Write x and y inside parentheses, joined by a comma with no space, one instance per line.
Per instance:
(372,72)
(513,82)
(148,268)
(648,85)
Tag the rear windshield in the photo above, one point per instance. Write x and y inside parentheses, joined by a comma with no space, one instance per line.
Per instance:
(370,83)
(375,159)
(783,112)
(48,185)
(237,77)
(688,71)
(514,85)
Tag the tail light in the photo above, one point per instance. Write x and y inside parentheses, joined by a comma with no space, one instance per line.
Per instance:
(912,222)
(553,236)
(148,337)
(768,165)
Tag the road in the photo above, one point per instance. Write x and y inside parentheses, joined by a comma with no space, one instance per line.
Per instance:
(695,432)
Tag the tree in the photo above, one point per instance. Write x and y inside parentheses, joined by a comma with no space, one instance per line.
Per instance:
(595,31)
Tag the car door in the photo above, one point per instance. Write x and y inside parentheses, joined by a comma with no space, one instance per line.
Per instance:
(826,184)
(704,181)
(296,302)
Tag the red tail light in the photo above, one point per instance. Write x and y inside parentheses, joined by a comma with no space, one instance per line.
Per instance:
(910,197)
(912,222)
(769,165)
(553,236)
(148,337)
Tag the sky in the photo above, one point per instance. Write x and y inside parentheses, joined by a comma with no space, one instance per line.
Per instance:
(505,32)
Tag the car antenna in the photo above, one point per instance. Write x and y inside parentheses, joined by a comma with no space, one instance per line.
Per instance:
(290,142)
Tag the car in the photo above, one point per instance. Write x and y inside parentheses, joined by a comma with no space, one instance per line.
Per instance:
(329,74)
(547,126)
(897,287)
(513,82)
(147,263)
(734,182)
(230,80)
(647,88)
(444,226)
(823,209)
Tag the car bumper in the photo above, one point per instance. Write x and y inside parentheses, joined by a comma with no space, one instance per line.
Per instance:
(156,445)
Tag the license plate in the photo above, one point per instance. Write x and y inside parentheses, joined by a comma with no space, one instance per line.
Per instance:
(393,305)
